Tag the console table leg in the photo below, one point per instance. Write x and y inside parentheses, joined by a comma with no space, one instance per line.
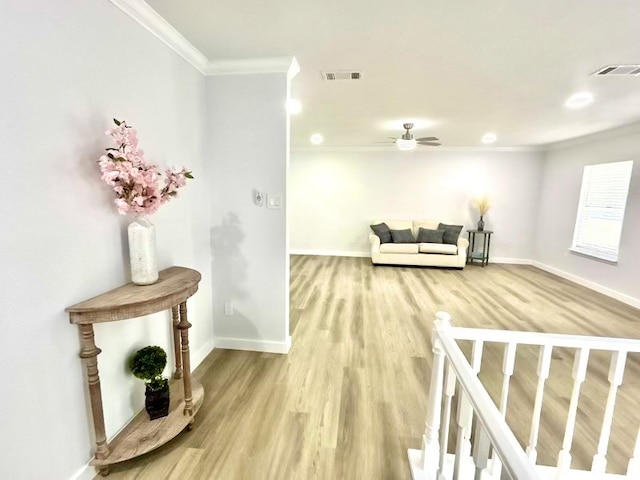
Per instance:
(176,342)
(89,353)
(184,326)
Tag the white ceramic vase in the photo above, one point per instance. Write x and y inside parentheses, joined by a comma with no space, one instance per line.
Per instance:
(142,251)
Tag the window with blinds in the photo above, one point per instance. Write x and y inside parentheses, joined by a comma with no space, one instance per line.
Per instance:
(601,209)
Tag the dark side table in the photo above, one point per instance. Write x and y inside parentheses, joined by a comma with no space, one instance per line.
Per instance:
(481,255)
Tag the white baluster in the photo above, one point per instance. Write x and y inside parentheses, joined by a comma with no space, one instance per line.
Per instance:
(616,371)
(579,374)
(508,362)
(449,392)
(480,450)
(476,356)
(633,470)
(465,413)
(430,454)
(463,445)
(544,363)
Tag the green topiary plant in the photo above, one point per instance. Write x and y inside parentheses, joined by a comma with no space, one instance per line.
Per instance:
(147,364)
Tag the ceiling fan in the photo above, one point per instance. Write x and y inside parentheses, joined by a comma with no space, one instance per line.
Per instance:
(407,142)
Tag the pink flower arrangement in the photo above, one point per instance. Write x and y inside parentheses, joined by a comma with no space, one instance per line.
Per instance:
(134,181)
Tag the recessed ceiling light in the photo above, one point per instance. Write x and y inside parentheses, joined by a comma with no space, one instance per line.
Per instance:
(579,99)
(316,139)
(489,137)
(294,106)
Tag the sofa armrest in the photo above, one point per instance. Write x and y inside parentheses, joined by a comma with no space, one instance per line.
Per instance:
(463,243)
(374,240)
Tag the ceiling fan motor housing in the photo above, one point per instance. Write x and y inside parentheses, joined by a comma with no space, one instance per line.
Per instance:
(407,135)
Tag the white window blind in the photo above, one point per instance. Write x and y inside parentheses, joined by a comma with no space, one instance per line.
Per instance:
(601,209)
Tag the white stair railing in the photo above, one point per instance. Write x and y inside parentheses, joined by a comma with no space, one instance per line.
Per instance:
(544,364)
(579,374)
(633,471)
(616,370)
(451,368)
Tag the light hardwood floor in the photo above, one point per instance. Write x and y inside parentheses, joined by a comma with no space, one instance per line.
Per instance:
(350,397)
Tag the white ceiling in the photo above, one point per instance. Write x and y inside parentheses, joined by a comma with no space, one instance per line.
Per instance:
(465,66)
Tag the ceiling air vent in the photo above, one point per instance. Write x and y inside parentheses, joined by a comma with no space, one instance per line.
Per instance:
(610,70)
(342,75)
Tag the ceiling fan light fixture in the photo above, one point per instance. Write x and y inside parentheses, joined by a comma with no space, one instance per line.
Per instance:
(404,144)
(489,137)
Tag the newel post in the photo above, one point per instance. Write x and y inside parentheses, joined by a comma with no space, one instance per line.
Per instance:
(430,444)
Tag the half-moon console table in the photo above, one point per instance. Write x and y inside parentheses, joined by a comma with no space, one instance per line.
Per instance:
(174,286)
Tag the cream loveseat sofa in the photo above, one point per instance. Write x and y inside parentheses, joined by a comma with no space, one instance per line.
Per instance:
(420,254)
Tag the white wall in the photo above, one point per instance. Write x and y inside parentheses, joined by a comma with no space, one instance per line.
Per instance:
(560,192)
(247,150)
(335,195)
(68,68)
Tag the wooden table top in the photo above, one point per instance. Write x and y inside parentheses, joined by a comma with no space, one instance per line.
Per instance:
(174,286)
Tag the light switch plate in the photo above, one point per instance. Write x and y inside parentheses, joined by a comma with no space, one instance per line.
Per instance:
(274,201)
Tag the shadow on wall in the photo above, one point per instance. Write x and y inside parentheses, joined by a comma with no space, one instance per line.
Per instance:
(229,277)
(228,265)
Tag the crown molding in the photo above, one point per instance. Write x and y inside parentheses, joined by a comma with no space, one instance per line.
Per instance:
(146,16)
(610,133)
(287,65)
(391,148)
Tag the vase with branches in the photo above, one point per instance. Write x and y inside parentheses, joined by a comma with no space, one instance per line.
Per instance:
(139,191)
(482,204)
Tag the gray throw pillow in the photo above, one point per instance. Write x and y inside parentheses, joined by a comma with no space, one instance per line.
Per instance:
(382,231)
(402,236)
(451,233)
(430,236)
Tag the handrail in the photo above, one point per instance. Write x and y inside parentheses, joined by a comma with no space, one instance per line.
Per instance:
(554,339)
(502,438)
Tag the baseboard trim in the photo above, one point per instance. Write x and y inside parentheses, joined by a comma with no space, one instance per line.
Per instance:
(609,292)
(331,253)
(512,261)
(252,345)
(87,472)
(202,353)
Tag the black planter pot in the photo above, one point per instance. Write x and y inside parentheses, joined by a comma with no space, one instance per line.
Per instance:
(157,402)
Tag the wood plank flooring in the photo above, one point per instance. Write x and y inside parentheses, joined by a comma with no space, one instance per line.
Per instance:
(350,397)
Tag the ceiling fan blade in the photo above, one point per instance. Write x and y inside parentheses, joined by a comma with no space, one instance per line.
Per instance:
(433,144)
(427,139)
(393,138)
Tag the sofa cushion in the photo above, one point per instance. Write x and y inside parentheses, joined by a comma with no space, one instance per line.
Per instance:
(395,224)
(426,235)
(451,233)
(399,248)
(443,248)
(382,231)
(402,236)
(428,224)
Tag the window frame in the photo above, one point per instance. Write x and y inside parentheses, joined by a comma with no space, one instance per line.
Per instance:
(602,252)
